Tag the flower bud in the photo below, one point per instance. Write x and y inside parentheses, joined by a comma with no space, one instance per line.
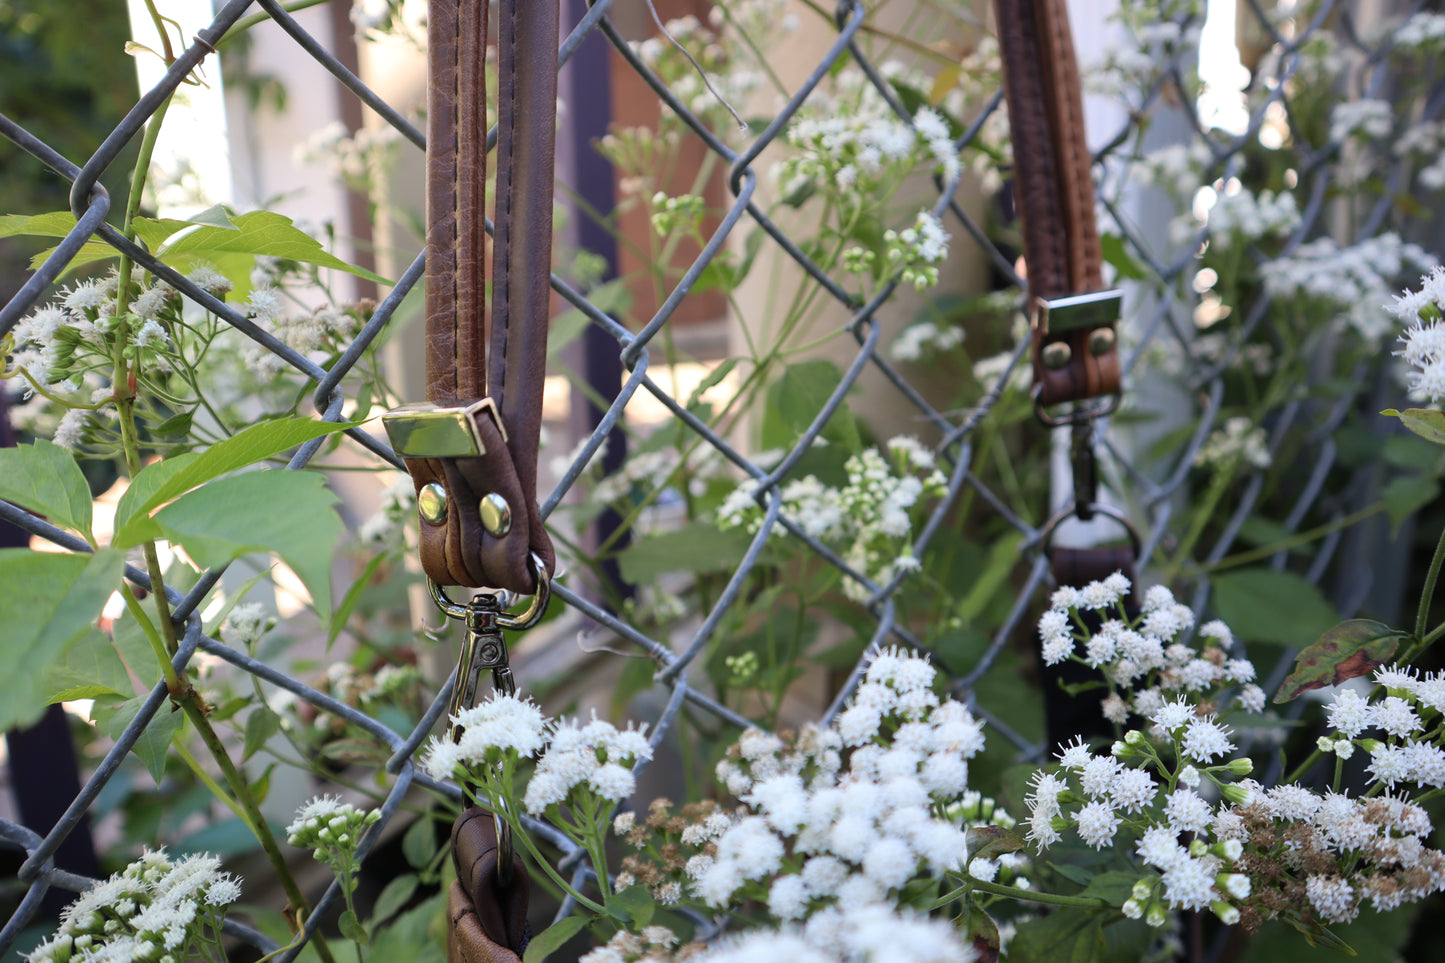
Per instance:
(1141,890)
(1132,908)
(1325,744)
(1122,750)
(1370,745)
(1157,915)
(1241,766)
(1189,776)
(1227,914)
(1134,737)
(1235,884)
(1230,849)
(1344,748)
(1236,794)
(1198,848)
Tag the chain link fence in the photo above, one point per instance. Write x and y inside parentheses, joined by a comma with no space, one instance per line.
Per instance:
(1295,472)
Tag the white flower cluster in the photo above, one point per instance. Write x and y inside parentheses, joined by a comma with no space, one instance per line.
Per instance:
(813,831)
(1240,440)
(356,159)
(1132,67)
(1243,216)
(1143,659)
(924,339)
(918,250)
(870,517)
(859,148)
(1357,279)
(724,57)
(1424,340)
(332,829)
(500,725)
(870,933)
(1420,30)
(156,909)
(1368,119)
(596,757)
(655,944)
(1411,716)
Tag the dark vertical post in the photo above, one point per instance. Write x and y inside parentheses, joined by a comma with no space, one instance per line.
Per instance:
(585,86)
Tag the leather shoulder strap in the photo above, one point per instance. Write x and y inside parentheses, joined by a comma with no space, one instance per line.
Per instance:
(1055,190)
(485,372)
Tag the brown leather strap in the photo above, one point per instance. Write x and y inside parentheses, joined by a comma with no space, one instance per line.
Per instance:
(487,921)
(1055,189)
(469,355)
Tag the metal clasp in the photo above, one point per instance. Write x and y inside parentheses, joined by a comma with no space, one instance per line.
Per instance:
(1095,310)
(426,431)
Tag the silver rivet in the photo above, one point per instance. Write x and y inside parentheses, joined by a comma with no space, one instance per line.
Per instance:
(496,514)
(1056,354)
(431,503)
(1101,341)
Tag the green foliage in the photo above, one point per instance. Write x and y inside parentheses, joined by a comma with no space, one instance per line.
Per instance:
(45,479)
(50,603)
(1267,605)
(795,400)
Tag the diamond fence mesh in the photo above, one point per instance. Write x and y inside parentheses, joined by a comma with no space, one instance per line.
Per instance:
(1195,357)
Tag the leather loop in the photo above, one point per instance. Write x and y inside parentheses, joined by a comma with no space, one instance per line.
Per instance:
(488,920)
(1054,186)
(469,355)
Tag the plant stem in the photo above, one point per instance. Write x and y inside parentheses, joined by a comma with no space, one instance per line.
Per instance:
(1013,892)
(1422,615)
(1302,768)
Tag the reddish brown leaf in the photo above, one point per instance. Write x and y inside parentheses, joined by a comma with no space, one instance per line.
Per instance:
(1347,651)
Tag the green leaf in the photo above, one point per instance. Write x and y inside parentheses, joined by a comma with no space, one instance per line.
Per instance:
(159,483)
(135,649)
(1116,255)
(49,603)
(416,934)
(1114,886)
(1347,651)
(258,232)
(352,929)
(50,224)
(990,842)
(393,898)
(1064,936)
(633,905)
(226,837)
(981,931)
(551,939)
(352,598)
(1424,422)
(795,399)
(289,513)
(154,744)
(89,670)
(696,547)
(996,570)
(45,479)
(261,725)
(1406,495)
(1272,606)
(711,380)
(419,844)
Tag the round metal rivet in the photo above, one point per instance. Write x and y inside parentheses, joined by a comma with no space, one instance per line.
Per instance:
(431,503)
(496,514)
(1101,341)
(1056,354)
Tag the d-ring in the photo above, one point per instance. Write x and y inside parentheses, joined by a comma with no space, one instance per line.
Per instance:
(527,619)
(1098,508)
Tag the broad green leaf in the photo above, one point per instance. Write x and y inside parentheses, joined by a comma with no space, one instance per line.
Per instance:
(154,744)
(1272,606)
(417,934)
(419,843)
(1116,255)
(982,932)
(50,601)
(1114,886)
(990,842)
(159,483)
(49,224)
(88,670)
(261,725)
(396,895)
(259,232)
(633,905)
(1406,495)
(1424,422)
(697,547)
(45,479)
(1001,560)
(1064,936)
(153,231)
(135,649)
(796,398)
(289,513)
(352,929)
(551,939)
(1347,651)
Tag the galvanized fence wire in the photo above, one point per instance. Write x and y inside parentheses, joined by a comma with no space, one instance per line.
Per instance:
(1151,493)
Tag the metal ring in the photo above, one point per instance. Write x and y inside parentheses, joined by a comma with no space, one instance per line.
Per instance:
(527,619)
(1098,508)
(1089,414)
